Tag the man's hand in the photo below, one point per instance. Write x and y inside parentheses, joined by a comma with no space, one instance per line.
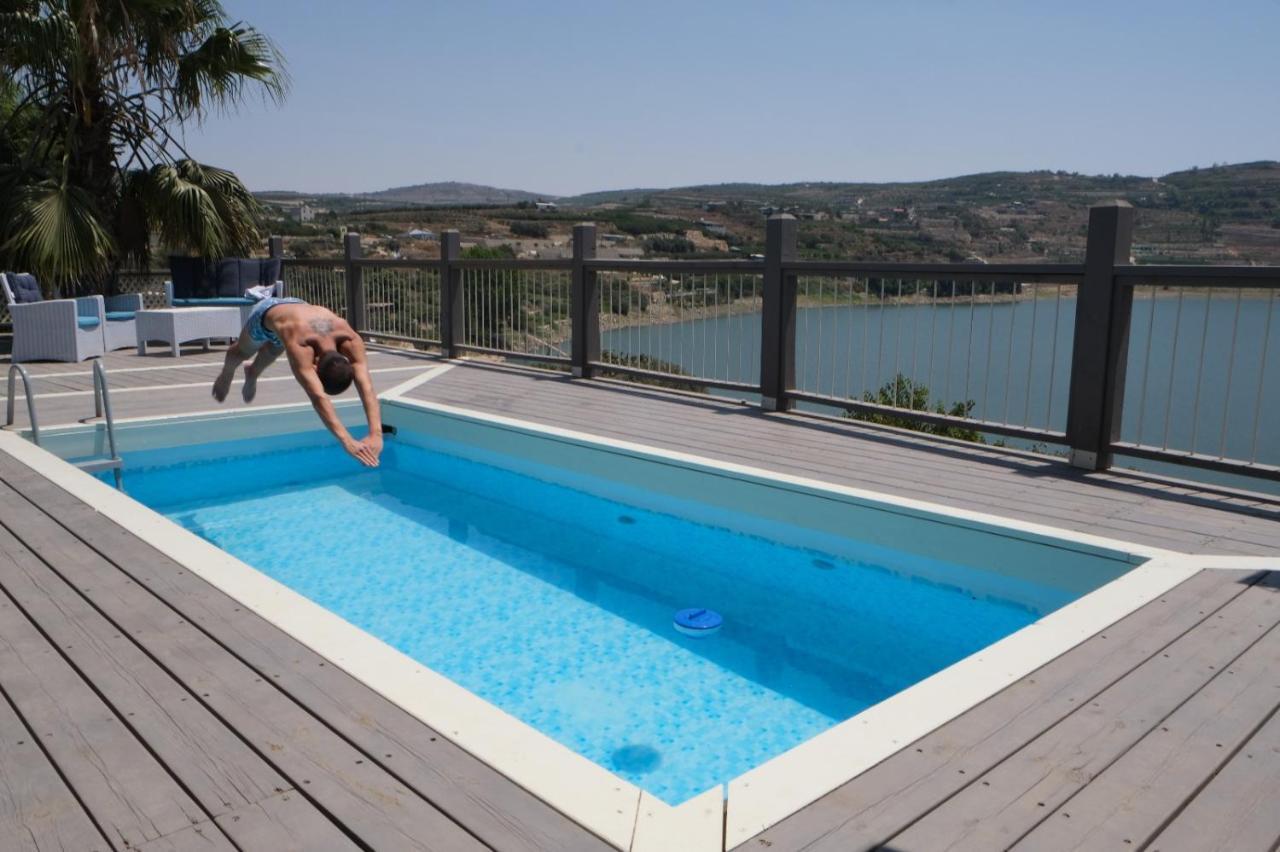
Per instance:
(366,451)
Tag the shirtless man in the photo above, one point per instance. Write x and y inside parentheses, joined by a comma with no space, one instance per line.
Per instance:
(325,354)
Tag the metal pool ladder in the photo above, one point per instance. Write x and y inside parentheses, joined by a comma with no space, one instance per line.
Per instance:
(101,406)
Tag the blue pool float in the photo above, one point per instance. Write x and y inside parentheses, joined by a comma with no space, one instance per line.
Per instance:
(698,621)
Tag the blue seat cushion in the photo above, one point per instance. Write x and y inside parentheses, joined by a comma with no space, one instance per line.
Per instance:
(24,286)
(119,316)
(213,302)
(87,322)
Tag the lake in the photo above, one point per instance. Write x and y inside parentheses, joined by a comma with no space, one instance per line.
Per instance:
(1191,359)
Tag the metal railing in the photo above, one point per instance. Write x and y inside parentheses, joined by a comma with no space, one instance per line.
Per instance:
(1168,363)
(320,282)
(516,311)
(989,350)
(678,321)
(402,301)
(18,371)
(102,408)
(1200,373)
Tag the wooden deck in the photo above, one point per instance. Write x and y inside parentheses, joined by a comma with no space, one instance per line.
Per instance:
(144,709)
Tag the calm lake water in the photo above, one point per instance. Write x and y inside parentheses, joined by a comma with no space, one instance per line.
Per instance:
(1198,375)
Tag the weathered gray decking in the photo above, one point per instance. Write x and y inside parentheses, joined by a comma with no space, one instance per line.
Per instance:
(140,708)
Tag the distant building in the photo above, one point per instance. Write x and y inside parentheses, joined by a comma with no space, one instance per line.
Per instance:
(545,205)
(302,212)
(418,234)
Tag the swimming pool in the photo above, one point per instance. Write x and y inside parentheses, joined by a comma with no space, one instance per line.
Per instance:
(541,574)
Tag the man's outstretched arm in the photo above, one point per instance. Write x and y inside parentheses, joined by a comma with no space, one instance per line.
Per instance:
(372,410)
(310,383)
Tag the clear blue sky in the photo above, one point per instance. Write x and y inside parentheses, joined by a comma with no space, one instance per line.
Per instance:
(568,97)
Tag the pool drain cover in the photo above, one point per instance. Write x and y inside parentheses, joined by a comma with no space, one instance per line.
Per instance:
(637,758)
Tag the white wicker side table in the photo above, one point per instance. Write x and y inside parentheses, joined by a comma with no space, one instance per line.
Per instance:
(176,326)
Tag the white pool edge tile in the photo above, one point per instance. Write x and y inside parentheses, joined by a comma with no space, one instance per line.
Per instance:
(695,825)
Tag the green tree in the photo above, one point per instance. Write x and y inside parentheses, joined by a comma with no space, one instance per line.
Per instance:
(92,101)
(904,393)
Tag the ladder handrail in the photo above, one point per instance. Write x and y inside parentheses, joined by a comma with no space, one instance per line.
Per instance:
(16,370)
(102,406)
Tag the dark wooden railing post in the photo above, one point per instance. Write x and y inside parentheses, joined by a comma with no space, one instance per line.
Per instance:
(355,282)
(778,310)
(584,303)
(275,251)
(451,308)
(1101,347)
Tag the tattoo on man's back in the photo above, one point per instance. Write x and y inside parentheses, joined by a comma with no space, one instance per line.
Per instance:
(321,325)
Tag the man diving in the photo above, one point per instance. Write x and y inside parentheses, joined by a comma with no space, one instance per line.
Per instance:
(326,356)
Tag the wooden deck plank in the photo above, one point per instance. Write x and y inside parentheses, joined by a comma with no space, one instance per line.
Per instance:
(341,780)
(867,811)
(1236,811)
(1129,802)
(129,794)
(38,813)
(501,814)
(203,837)
(285,822)
(219,771)
(996,809)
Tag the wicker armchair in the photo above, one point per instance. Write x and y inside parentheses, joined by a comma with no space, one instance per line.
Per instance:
(55,329)
(121,329)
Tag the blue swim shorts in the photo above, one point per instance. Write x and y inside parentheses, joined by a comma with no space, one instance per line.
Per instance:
(258,332)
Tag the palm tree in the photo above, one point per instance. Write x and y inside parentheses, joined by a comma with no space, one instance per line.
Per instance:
(93,98)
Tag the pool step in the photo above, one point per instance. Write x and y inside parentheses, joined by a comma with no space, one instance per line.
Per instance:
(99,465)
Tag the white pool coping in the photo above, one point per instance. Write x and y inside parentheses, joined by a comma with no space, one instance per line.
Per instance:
(616,810)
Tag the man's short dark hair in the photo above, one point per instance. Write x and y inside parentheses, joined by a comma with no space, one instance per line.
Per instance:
(335,372)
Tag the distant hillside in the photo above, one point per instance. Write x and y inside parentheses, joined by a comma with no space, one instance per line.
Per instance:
(447,193)
(1224,214)
(452,192)
(1236,192)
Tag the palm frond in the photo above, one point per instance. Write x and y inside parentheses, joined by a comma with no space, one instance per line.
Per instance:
(221,70)
(194,208)
(57,232)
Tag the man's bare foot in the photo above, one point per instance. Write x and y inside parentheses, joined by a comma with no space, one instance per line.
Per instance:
(222,384)
(250,388)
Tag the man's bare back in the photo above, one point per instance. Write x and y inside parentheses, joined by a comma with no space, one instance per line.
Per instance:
(325,354)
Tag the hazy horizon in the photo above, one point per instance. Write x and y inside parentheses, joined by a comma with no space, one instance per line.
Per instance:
(592,97)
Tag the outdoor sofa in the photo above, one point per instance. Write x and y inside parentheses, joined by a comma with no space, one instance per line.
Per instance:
(199,283)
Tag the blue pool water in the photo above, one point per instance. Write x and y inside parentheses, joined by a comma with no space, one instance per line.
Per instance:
(557,605)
